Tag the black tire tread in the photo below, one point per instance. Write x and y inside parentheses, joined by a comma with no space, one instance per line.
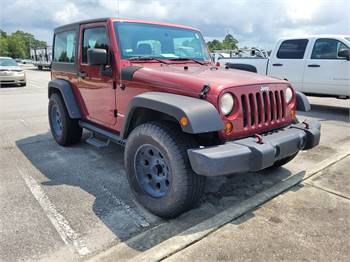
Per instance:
(73,132)
(179,142)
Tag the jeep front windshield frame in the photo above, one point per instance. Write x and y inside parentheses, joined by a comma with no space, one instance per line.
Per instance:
(159,41)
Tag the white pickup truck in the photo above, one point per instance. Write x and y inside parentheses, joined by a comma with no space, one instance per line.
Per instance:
(315,65)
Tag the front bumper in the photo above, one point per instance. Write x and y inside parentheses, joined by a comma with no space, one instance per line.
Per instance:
(13,79)
(246,154)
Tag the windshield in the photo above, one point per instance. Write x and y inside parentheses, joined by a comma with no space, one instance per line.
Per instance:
(161,42)
(7,62)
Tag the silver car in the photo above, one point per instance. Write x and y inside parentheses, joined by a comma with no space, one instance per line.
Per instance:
(11,73)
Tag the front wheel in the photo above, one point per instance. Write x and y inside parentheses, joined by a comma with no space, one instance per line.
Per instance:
(158,169)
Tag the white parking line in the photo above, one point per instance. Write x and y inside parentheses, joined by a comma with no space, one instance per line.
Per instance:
(68,235)
(138,218)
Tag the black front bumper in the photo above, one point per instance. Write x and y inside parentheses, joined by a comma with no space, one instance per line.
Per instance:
(246,154)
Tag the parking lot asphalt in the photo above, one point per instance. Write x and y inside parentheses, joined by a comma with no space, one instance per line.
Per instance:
(73,203)
(307,223)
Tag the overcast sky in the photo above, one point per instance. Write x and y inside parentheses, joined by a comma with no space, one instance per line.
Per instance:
(253,22)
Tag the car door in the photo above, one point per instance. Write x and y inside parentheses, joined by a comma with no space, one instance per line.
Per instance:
(96,88)
(325,71)
(288,61)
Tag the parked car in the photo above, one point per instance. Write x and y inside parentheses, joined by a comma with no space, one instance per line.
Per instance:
(11,72)
(41,57)
(315,65)
(179,117)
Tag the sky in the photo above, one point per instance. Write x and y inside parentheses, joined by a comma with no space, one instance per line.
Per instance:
(252,23)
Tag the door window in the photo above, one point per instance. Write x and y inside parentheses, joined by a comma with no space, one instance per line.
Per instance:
(64,50)
(94,38)
(292,49)
(327,49)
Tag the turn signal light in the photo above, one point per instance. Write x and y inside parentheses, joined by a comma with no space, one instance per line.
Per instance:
(184,121)
(228,127)
(292,114)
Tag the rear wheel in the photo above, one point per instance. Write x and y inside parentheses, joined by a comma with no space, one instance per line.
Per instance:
(65,131)
(158,169)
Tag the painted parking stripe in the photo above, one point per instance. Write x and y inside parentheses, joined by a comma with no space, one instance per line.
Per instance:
(138,218)
(66,232)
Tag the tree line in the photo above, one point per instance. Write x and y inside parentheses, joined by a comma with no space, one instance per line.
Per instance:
(229,43)
(18,44)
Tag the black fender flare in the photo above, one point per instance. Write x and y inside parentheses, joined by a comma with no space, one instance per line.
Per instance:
(302,102)
(66,91)
(202,116)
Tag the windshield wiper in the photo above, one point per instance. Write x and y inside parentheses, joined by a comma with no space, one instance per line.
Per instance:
(187,59)
(146,58)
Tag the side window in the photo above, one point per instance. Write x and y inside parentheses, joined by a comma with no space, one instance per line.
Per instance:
(292,49)
(94,38)
(64,50)
(327,49)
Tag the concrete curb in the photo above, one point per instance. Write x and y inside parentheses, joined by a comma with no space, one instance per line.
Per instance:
(201,230)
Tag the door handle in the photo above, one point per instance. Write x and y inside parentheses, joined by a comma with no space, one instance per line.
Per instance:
(313,65)
(277,64)
(82,74)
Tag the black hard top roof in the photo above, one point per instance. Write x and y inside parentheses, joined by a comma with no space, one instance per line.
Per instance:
(96,20)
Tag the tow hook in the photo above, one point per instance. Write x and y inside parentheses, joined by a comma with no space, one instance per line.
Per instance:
(259,139)
(306,124)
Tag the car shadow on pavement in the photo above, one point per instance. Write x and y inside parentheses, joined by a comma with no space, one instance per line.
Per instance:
(100,173)
(324,112)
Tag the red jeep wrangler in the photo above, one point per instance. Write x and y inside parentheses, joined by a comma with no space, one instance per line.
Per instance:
(153,88)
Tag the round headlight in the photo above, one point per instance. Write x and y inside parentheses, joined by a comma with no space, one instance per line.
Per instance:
(226,103)
(288,94)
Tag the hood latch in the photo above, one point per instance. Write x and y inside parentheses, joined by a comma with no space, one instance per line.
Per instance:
(205,90)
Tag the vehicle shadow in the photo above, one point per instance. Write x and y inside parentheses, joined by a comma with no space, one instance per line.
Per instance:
(324,112)
(100,173)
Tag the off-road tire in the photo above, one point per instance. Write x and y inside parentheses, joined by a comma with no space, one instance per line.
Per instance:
(185,187)
(71,131)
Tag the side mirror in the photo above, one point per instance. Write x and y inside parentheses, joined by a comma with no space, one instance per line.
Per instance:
(344,53)
(97,56)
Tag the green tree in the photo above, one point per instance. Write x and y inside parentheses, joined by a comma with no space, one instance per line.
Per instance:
(215,45)
(18,44)
(4,50)
(229,43)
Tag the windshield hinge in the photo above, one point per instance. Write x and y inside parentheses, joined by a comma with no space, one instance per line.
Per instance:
(205,90)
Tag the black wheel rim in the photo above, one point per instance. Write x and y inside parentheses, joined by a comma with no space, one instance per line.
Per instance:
(56,120)
(152,171)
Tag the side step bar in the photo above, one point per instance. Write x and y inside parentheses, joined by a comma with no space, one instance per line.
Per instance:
(92,140)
